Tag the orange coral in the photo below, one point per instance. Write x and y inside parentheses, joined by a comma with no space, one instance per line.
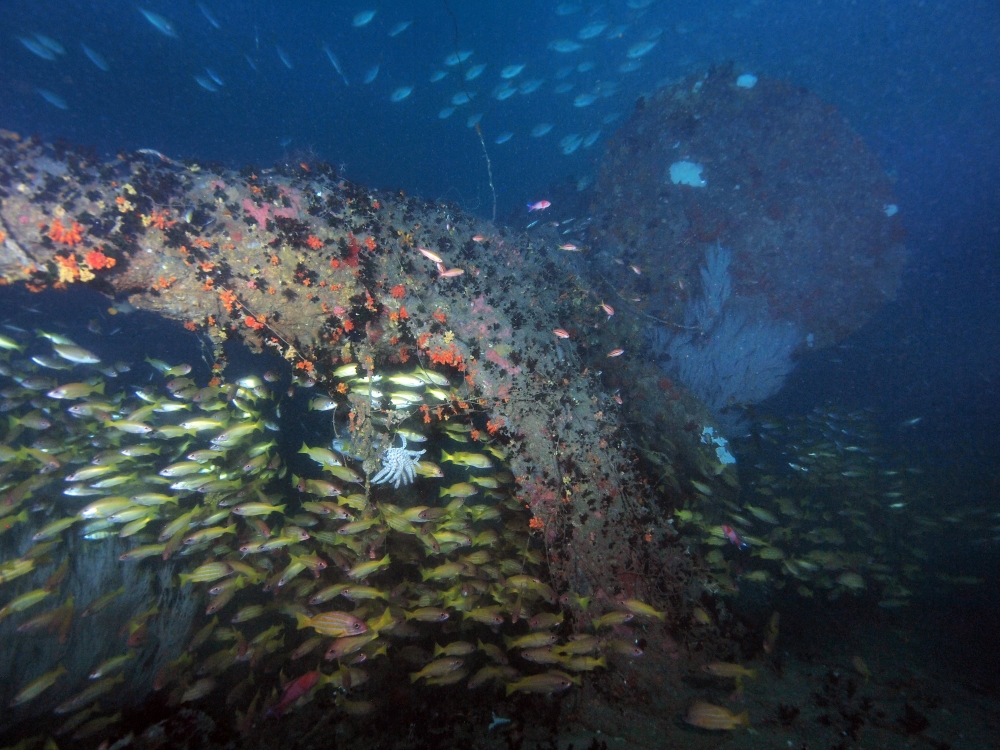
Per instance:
(163,283)
(494,425)
(207,267)
(314,242)
(370,243)
(439,316)
(254,323)
(190,325)
(159,220)
(536,523)
(199,242)
(398,291)
(98,260)
(305,365)
(72,235)
(403,315)
(404,355)
(342,388)
(449,356)
(422,340)
(209,283)
(228,299)
(474,435)
(348,325)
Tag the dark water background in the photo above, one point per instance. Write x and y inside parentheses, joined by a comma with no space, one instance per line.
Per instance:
(920,81)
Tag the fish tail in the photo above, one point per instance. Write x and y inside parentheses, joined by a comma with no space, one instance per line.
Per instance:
(743,719)
(304,448)
(511,687)
(302,621)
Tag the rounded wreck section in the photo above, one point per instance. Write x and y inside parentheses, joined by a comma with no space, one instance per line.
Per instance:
(768,171)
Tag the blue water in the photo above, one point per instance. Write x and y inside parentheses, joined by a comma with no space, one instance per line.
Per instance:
(919,81)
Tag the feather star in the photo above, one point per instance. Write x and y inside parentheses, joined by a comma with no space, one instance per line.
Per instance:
(399,466)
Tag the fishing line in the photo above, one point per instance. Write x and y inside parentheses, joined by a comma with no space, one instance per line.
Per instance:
(479,130)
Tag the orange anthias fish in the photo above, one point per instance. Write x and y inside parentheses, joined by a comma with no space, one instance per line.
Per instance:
(449,273)
(478,238)
(709,716)
(608,309)
(294,691)
(616,352)
(430,255)
(561,333)
(569,247)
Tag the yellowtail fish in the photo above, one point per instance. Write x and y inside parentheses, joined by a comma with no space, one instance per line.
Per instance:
(641,609)
(50,530)
(88,695)
(76,354)
(611,619)
(111,665)
(428,469)
(709,716)
(349,645)
(346,371)
(531,640)
(322,456)
(438,668)
(548,683)
(38,686)
(726,669)
(365,569)
(23,602)
(207,573)
(474,460)
(462,489)
(257,509)
(76,390)
(347,474)
(428,614)
(336,624)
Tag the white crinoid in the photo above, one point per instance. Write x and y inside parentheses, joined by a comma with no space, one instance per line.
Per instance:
(399,465)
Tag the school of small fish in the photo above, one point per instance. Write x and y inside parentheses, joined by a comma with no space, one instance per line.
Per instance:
(334,566)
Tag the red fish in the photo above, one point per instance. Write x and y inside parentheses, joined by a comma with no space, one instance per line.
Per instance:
(561,333)
(540,206)
(616,352)
(733,537)
(294,691)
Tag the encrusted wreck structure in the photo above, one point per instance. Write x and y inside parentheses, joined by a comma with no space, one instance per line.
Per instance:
(326,273)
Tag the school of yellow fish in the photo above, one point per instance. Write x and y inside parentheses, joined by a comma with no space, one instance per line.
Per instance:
(327,574)
(826,510)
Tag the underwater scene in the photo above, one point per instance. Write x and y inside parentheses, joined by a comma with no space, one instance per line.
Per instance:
(511,374)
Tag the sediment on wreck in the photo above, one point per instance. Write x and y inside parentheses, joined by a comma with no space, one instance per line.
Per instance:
(325,272)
